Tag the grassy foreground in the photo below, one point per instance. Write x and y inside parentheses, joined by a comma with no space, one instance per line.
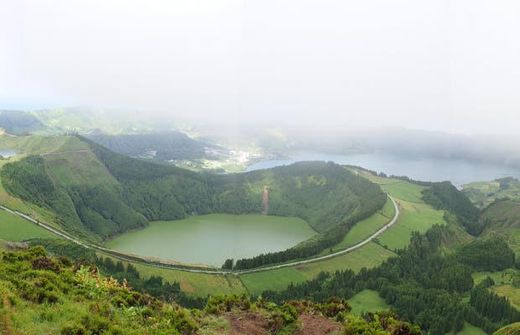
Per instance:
(43,295)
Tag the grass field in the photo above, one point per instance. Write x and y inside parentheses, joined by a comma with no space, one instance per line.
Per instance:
(367,301)
(363,229)
(405,191)
(14,228)
(413,217)
(196,284)
(275,280)
(469,329)
(503,284)
(484,193)
(370,255)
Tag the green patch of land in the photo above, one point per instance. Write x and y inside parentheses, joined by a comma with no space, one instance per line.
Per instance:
(505,282)
(365,228)
(368,256)
(405,191)
(503,218)
(367,301)
(413,217)
(194,284)
(469,329)
(275,280)
(483,193)
(14,228)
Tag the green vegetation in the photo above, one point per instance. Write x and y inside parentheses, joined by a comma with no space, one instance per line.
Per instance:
(505,283)
(367,301)
(512,329)
(469,329)
(40,294)
(414,217)
(277,279)
(482,194)
(446,196)
(97,194)
(422,285)
(368,256)
(365,228)
(502,218)
(405,191)
(498,256)
(161,146)
(14,228)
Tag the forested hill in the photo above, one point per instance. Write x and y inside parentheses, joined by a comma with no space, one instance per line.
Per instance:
(98,193)
(163,146)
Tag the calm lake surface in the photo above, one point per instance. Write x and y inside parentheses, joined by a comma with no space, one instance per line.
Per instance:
(211,239)
(458,171)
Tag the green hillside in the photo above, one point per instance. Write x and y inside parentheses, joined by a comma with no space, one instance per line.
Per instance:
(482,194)
(97,193)
(503,218)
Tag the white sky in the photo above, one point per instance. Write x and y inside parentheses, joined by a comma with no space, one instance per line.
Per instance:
(439,64)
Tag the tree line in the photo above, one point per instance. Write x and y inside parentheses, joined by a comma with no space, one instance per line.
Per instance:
(424,286)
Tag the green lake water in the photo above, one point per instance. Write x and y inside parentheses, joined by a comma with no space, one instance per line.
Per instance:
(211,239)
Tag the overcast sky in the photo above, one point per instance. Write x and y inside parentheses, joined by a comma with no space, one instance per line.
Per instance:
(439,65)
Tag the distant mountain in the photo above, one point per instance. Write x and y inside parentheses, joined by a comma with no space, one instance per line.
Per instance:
(161,146)
(19,122)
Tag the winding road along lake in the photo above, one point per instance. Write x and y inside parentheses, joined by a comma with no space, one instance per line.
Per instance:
(211,239)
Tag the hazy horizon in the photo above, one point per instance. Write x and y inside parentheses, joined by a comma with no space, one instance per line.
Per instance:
(312,65)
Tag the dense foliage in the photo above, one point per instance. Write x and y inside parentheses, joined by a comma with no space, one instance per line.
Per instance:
(155,286)
(422,285)
(498,255)
(446,196)
(40,294)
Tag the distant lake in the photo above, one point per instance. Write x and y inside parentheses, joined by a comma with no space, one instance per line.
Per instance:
(7,153)
(458,171)
(211,239)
